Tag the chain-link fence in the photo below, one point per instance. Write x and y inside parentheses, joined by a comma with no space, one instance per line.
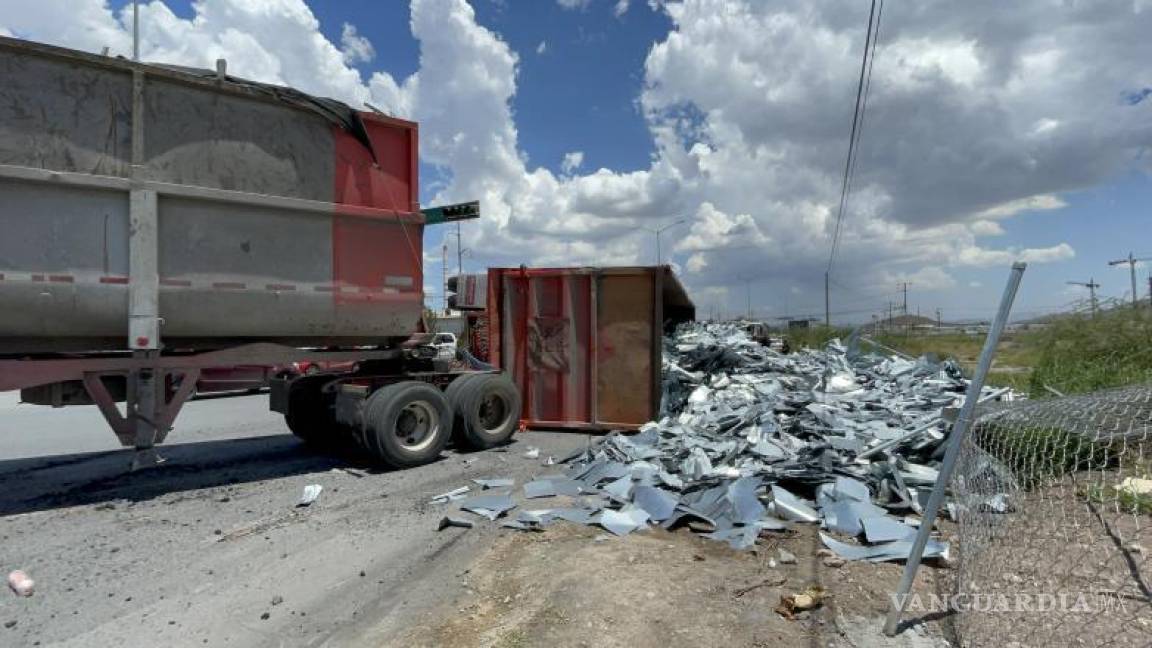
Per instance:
(1053,500)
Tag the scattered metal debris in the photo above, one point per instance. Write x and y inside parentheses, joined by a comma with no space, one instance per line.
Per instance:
(451,496)
(496,482)
(489,506)
(311,492)
(532,452)
(539,488)
(748,435)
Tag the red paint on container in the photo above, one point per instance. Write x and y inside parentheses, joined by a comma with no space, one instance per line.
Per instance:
(583,345)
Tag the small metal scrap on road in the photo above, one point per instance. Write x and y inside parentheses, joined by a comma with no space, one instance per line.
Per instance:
(311,492)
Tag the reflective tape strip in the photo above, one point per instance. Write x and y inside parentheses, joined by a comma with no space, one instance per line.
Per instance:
(97,279)
(402,281)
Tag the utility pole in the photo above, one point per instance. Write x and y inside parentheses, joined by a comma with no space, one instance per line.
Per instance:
(135,30)
(904,308)
(1131,260)
(748,289)
(1091,285)
(444,275)
(1149,291)
(827,306)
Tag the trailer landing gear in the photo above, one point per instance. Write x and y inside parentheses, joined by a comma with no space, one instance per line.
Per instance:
(151,407)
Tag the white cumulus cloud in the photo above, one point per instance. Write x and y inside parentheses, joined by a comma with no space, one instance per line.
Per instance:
(974,118)
(571,162)
(356,48)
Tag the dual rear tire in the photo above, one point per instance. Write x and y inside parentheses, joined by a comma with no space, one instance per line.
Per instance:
(486,409)
(409,423)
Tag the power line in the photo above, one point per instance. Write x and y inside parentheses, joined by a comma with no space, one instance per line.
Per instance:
(852,137)
(863,112)
(865,79)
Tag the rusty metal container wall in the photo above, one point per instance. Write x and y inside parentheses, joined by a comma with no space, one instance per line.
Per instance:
(273,224)
(584,344)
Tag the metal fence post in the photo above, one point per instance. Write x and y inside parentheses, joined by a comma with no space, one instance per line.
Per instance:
(959,431)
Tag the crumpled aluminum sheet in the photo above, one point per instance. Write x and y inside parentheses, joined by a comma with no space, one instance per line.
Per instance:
(747,435)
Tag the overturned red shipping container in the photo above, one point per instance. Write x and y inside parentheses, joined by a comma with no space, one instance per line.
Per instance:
(584,344)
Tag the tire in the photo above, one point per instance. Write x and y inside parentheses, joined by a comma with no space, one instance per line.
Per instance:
(452,393)
(310,416)
(489,409)
(407,424)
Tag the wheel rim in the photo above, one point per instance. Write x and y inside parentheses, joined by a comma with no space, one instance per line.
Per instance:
(417,426)
(493,412)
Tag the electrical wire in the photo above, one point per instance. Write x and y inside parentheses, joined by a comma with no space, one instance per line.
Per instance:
(857,119)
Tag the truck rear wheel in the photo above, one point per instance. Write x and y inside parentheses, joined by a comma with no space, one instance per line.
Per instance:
(488,406)
(452,392)
(407,423)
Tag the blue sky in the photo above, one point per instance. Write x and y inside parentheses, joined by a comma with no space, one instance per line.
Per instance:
(580,93)
(989,136)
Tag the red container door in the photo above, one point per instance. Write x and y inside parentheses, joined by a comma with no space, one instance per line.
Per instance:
(546,324)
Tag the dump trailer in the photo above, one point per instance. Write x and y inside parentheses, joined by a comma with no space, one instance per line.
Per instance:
(159,221)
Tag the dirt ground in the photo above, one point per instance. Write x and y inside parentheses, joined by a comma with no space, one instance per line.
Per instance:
(576,586)
(1092,558)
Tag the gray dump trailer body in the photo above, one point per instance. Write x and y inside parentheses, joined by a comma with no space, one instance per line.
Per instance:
(150,208)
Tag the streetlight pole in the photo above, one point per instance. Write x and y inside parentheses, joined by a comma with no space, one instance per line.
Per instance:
(658,231)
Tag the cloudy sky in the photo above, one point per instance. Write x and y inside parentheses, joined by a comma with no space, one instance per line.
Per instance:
(994,131)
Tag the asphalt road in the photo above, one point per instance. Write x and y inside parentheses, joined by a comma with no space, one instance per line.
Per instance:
(209,548)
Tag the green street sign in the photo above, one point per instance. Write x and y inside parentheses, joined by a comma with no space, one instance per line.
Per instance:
(449,213)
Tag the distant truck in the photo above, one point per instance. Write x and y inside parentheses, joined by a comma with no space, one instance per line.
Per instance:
(160,222)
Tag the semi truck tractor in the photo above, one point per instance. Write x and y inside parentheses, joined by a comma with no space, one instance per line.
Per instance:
(158,221)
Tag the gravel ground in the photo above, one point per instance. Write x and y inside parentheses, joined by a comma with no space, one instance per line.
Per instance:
(210,549)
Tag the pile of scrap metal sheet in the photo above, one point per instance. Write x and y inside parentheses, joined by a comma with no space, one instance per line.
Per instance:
(751,440)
